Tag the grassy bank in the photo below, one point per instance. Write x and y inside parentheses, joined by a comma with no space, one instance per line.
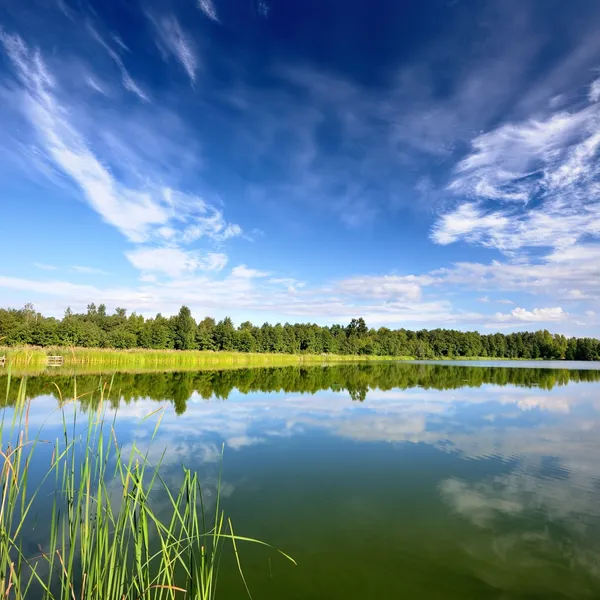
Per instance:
(29,356)
(110,526)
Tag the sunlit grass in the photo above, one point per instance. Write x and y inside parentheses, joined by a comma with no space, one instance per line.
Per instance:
(31,358)
(107,539)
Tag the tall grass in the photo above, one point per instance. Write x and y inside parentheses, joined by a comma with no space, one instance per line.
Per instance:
(106,538)
(30,359)
(145,359)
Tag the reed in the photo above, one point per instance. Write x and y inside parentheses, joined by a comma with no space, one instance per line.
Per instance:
(32,357)
(106,537)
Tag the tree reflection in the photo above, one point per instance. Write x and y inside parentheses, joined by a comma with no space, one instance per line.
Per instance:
(357,379)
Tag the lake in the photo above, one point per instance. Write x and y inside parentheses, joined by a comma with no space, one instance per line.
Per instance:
(383,480)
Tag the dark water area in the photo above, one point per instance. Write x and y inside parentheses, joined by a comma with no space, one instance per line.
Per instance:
(432,481)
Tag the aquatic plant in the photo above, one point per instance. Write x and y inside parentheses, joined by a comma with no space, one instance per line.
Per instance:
(107,537)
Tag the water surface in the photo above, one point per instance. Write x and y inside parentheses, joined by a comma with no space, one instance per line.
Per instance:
(433,481)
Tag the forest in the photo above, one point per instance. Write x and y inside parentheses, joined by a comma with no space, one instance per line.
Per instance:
(97,329)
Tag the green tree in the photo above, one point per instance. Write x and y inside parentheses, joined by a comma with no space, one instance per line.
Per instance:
(161,336)
(224,335)
(184,330)
(205,334)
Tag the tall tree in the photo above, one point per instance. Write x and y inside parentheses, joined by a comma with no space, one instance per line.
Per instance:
(184,330)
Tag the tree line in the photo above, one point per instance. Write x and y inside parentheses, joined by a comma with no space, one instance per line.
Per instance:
(97,329)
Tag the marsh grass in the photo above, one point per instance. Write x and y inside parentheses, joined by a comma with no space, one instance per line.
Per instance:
(142,359)
(106,538)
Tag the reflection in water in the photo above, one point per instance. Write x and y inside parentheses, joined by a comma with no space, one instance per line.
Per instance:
(442,482)
(357,379)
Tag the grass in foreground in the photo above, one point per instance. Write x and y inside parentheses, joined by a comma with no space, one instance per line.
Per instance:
(106,539)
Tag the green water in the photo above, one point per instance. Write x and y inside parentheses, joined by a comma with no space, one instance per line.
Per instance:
(382,480)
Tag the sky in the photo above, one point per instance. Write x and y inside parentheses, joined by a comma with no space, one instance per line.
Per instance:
(419,164)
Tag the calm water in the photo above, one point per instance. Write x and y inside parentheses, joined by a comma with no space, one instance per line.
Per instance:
(383,480)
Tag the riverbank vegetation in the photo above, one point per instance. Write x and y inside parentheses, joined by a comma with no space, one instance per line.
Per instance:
(32,359)
(101,522)
(97,329)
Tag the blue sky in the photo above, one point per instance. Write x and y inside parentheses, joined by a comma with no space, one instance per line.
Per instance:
(419,164)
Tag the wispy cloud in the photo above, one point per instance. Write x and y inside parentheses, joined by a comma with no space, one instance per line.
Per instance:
(386,137)
(89,270)
(534,183)
(150,214)
(594,95)
(263,9)
(242,290)
(173,40)
(208,221)
(191,279)
(243,272)
(92,83)
(134,213)
(567,274)
(128,81)
(45,267)
(208,8)
(390,287)
(175,262)
(467,222)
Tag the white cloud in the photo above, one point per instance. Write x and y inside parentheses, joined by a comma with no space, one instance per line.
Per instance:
(243,272)
(503,161)
(487,300)
(92,83)
(238,294)
(556,225)
(45,267)
(162,219)
(88,270)
(128,81)
(208,8)
(175,41)
(290,283)
(195,280)
(385,286)
(213,261)
(232,230)
(576,294)
(287,281)
(54,288)
(131,211)
(569,273)
(534,183)
(537,315)
(469,222)
(208,222)
(175,262)
(150,213)
(594,95)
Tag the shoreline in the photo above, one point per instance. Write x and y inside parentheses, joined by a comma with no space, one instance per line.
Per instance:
(31,356)
(33,360)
